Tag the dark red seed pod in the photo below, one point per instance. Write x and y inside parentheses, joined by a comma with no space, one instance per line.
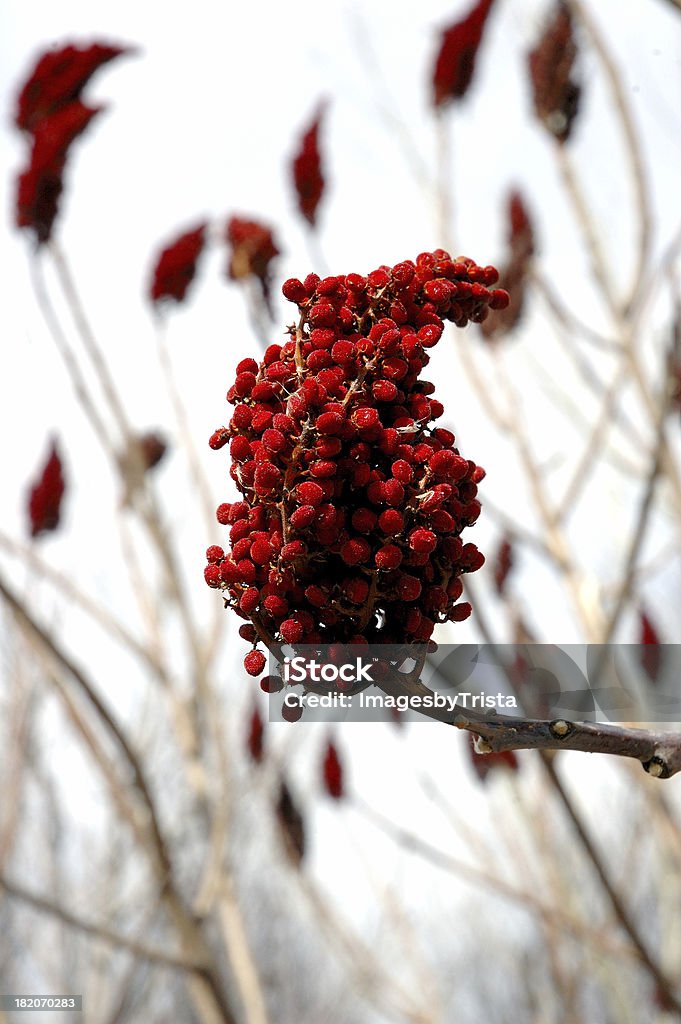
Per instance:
(332,772)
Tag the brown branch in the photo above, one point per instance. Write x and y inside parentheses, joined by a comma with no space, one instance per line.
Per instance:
(99,931)
(658,752)
(664,986)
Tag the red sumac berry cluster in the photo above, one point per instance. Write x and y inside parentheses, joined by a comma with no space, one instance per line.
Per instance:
(353,503)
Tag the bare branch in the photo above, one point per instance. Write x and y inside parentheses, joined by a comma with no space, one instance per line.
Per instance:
(100,931)
(658,752)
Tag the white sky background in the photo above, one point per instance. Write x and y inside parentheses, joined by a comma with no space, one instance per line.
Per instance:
(202,123)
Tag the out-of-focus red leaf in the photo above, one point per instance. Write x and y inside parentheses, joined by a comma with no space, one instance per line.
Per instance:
(455,61)
(520,230)
(252,250)
(153,446)
(256,734)
(58,78)
(651,655)
(515,270)
(176,266)
(45,495)
(483,764)
(308,176)
(143,453)
(40,186)
(396,718)
(291,824)
(503,564)
(555,92)
(332,772)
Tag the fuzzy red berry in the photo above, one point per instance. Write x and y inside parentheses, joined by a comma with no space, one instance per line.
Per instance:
(255,662)
(310,493)
(294,290)
(388,557)
(212,575)
(353,552)
(291,631)
(384,391)
(422,540)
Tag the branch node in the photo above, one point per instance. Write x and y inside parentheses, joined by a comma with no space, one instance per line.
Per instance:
(657,767)
(560,728)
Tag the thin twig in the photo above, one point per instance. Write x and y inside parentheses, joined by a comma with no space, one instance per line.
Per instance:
(100,931)
(664,984)
(70,362)
(88,338)
(640,529)
(67,588)
(186,435)
(633,146)
(487,880)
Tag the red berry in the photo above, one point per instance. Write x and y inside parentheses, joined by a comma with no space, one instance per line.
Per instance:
(391,521)
(310,493)
(460,612)
(408,587)
(292,712)
(384,391)
(249,601)
(254,662)
(303,516)
(212,576)
(273,440)
(388,557)
(294,290)
(447,465)
(261,552)
(323,468)
(276,605)
(247,366)
(291,631)
(422,541)
(356,551)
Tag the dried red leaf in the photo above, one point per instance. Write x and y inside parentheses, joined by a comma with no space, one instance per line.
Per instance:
(514,273)
(332,772)
(252,250)
(256,732)
(57,80)
(520,230)
(455,62)
(40,186)
(153,446)
(176,266)
(291,824)
(651,656)
(555,93)
(503,564)
(308,177)
(45,496)
(483,764)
